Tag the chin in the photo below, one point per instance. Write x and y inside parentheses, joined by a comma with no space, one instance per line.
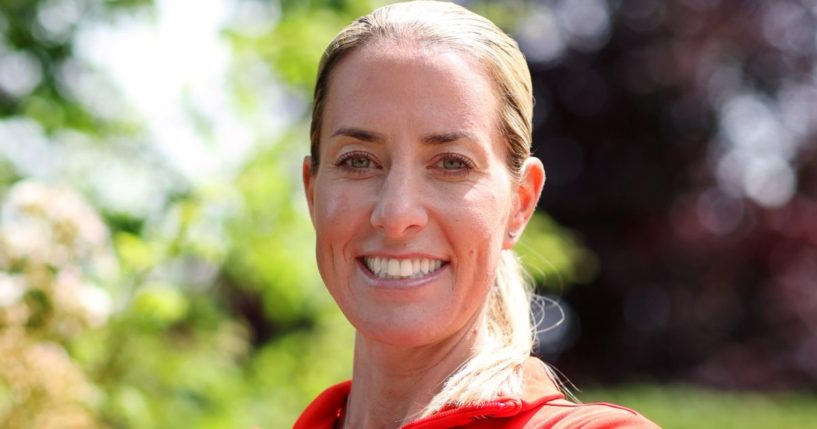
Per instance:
(407,330)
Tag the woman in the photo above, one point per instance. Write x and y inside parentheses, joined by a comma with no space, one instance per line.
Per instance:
(419,183)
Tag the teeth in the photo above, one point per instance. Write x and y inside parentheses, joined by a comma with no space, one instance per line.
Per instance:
(405,268)
(389,268)
(393,267)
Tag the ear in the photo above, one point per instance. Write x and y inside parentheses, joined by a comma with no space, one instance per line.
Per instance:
(309,185)
(526,195)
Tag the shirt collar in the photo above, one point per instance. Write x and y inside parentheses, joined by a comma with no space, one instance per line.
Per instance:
(325,411)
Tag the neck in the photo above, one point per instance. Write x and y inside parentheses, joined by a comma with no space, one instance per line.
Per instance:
(391,385)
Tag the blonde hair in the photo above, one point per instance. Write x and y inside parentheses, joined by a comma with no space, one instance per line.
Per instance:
(495,369)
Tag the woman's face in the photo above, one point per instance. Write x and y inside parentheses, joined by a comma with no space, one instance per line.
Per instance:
(412,201)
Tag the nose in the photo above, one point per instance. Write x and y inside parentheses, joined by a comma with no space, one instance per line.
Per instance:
(400,209)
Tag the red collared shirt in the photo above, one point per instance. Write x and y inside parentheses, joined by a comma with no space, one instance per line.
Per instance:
(542,406)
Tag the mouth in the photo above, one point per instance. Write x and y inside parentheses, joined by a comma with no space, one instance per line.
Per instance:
(401,268)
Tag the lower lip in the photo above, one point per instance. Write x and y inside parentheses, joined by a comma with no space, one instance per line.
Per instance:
(399,283)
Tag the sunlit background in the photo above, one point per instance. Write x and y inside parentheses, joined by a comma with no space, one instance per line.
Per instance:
(156,259)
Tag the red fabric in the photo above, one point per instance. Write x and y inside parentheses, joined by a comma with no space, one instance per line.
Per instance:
(542,407)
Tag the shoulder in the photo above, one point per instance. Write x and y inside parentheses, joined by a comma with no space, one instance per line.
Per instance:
(562,414)
(545,407)
(325,410)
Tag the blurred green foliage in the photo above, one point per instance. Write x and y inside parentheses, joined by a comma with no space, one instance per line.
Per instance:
(554,256)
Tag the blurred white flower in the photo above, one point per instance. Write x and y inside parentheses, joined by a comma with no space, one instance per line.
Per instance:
(20,73)
(11,289)
(50,224)
(64,249)
(25,240)
(97,304)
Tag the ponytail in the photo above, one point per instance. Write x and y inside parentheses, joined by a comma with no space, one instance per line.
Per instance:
(496,369)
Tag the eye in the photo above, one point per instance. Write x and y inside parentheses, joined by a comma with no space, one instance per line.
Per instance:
(356,161)
(453,164)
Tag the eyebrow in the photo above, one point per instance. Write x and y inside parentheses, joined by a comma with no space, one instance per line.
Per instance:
(431,139)
(359,134)
(439,138)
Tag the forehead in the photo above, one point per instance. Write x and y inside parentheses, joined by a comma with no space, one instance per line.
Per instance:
(392,83)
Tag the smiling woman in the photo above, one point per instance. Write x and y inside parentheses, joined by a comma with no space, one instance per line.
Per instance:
(419,183)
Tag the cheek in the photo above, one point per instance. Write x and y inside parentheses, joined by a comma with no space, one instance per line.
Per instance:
(332,231)
(339,214)
(485,209)
(340,200)
(479,220)
(329,227)
(328,206)
(336,202)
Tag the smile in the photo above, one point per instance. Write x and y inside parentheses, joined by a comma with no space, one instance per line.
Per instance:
(395,269)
